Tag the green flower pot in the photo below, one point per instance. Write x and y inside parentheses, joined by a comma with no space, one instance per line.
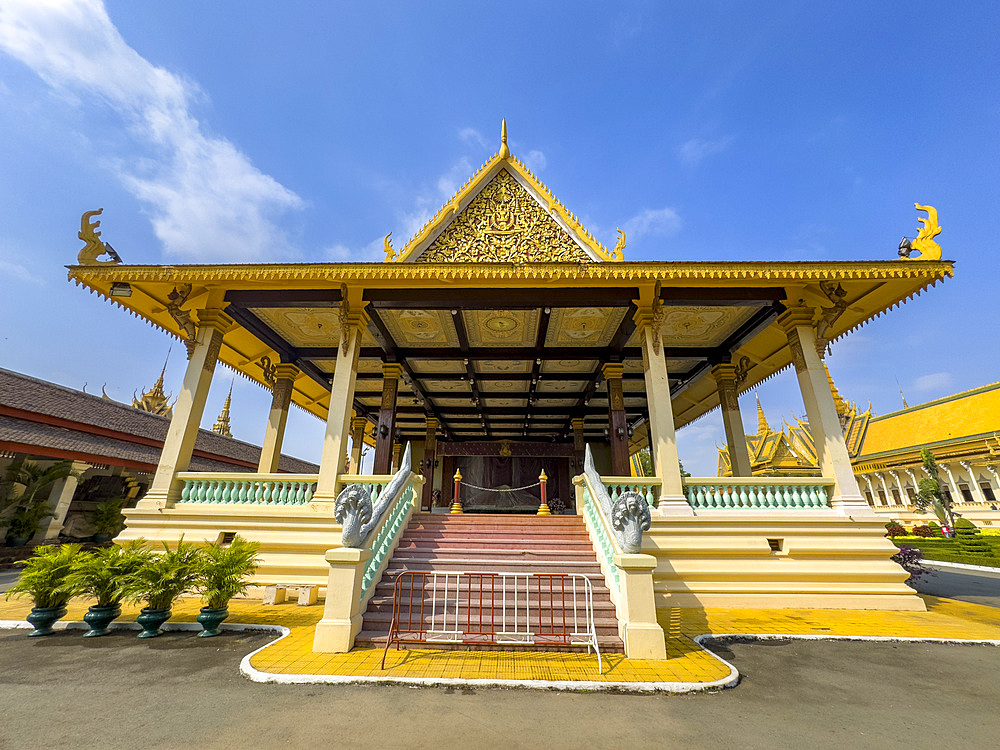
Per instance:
(100,538)
(210,619)
(150,620)
(99,618)
(43,618)
(17,541)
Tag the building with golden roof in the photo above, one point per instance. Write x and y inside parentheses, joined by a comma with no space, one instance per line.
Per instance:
(501,342)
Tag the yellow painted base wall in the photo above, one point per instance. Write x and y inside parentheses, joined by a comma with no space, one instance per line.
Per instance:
(293,540)
(827,561)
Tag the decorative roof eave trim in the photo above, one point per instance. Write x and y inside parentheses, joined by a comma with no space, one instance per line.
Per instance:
(650,272)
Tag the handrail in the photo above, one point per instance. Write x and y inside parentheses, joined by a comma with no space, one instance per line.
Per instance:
(386,533)
(359,513)
(758,493)
(618,485)
(602,536)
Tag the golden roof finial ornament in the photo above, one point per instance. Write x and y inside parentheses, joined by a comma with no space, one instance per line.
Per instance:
(924,242)
(390,251)
(763,428)
(94,248)
(619,252)
(221,426)
(504,151)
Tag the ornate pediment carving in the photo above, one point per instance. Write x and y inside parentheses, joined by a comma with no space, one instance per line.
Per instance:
(504,224)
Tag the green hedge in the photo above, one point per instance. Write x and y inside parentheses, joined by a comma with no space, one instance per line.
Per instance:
(948,550)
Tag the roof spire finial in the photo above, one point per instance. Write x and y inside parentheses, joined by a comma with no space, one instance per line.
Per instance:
(504,151)
(762,426)
(222,426)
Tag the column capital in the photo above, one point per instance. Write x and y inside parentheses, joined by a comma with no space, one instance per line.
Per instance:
(392,370)
(577,423)
(217,319)
(794,317)
(286,372)
(433,423)
(358,423)
(724,374)
(612,370)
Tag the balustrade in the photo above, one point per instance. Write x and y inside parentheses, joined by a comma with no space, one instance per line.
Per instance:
(247,489)
(758,493)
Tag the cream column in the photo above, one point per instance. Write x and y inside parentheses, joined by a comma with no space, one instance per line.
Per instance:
(579,442)
(358,427)
(899,486)
(834,460)
(60,498)
(956,493)
(732,420)
(996,477)
(916,485)
(354,320)
(885,487)
(281,399)
(977,491)
(188,409)
(662,438)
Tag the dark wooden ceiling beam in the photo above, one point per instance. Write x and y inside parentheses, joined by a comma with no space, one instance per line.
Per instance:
(510,298)
(721,296)
(284,297)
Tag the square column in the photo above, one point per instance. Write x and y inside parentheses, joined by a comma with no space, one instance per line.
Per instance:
(824,422)
(391,373)
(188,409)
(617,421)
(430,455)
(358,426)
(579,442)
(270,452)
(662,438)
(60,498)
(354,321)
(732,420)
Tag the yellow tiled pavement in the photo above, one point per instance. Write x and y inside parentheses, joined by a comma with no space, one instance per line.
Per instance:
(686,661)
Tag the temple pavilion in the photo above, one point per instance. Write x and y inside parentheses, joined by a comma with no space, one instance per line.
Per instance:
(498,342)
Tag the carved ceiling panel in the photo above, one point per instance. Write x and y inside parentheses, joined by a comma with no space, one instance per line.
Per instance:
(501,327)
(303,326)
(443,366)
(368,386)
(543,403)
(562,386)
(503,365)
(702,326)
(682,365)
(496,402)
(369,366)
(584,366)
(456,386)
(463,402)
(370,400)
(327,365)
(503,386)
(583,326)
(420,327)
(504,223)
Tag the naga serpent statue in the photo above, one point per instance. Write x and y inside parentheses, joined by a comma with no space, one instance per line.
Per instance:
(629,513)
(356,512)
(91,252)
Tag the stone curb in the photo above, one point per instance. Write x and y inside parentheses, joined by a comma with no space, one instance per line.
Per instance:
(962,566)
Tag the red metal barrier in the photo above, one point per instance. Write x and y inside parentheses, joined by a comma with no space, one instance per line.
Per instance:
(542,609)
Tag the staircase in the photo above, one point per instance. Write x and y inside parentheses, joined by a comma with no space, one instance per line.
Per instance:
(473,543)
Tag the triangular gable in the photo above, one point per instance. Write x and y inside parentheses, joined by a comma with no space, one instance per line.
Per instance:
(503,214)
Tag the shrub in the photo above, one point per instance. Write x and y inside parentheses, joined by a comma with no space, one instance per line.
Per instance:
(107,517)
(924,531)
(44,575)
(105,573)
(970,541)
(909,559)
(164,577)
(894,529)
(224,572)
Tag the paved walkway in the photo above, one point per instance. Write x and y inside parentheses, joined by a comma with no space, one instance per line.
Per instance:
(975,586)
(688,666)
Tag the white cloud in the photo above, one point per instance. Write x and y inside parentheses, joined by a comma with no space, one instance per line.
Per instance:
(658,221)
(693,151)
(207,200)
(535,160)
(374,251)
(473,137)
(936,381)
(19,272)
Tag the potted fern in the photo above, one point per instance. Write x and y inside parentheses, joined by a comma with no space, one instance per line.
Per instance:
(44,580)
(107,520)
(104,575)
(224,572)
(158,581)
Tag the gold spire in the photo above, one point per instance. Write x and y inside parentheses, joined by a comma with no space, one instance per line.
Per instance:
(838,401)
(155,401)
(221,425)
(504,151)
(762,427)
(905,405)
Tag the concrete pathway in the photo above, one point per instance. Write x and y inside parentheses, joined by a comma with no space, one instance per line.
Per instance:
(7,579)
(975,586)
(179,691)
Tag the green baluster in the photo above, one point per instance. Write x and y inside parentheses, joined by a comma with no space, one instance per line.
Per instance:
(754,495)
(227,488)
(742,495)
(786,496)
(186,492)
(768,496)
(727,500)
(283,493)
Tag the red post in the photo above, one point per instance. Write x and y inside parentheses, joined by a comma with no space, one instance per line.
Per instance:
(543,508)
(456,504)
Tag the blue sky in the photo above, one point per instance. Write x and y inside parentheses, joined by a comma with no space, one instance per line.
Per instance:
(251,131)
